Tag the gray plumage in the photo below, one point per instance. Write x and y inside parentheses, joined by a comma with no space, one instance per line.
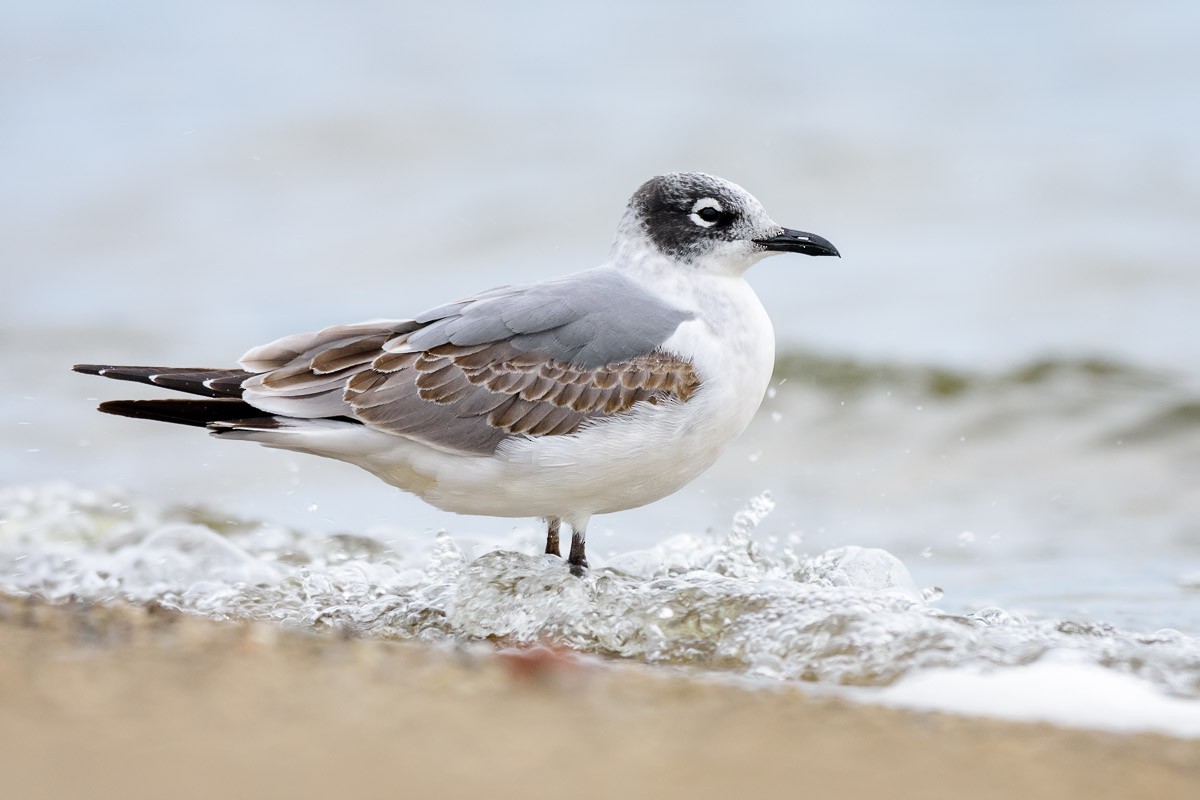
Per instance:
(588,320)
(538,360)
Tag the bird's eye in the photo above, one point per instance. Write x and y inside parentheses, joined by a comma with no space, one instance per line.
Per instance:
(706,212)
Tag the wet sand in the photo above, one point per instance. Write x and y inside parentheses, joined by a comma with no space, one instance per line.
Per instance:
(143,702)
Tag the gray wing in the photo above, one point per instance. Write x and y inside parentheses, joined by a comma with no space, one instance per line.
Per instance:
(538,360)
(588,319)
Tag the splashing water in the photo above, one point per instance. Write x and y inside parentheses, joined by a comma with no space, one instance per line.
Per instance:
(847,616)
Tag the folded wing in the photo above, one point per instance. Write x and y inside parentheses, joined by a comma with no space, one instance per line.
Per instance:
(538,360)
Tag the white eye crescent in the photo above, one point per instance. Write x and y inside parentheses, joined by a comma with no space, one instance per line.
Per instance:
(706,212)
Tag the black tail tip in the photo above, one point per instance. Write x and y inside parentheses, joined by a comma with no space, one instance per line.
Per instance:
(182,412)
(89,369)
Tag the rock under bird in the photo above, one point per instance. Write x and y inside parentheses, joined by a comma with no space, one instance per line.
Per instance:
(596,392)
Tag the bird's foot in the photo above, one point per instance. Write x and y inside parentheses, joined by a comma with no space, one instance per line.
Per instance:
(578,556)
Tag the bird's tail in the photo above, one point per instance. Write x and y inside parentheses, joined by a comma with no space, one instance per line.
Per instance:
(222,387)
(193,380)
(200,413)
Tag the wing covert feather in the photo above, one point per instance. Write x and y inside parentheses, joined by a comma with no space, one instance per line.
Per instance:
(539,360)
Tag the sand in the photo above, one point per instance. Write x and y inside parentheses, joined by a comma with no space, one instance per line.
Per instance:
(136,702)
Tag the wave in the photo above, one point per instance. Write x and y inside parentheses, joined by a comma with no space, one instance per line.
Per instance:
(850,616)
(849,375)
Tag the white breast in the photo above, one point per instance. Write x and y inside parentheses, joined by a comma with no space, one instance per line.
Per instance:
(731,344)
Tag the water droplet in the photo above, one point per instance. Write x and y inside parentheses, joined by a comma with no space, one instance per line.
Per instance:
(965,538)
(754,512)
(927,552)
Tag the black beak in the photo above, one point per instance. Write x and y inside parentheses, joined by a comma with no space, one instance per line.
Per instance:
(790,241)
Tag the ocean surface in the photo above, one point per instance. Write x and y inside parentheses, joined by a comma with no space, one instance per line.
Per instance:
(980,456)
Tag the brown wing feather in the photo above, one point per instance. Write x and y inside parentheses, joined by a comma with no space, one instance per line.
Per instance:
(611,389)
(522,393)
(442,395)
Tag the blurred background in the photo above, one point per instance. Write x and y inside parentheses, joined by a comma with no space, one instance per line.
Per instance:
(999,382)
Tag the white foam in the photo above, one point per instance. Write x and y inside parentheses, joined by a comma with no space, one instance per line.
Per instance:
(1061,688)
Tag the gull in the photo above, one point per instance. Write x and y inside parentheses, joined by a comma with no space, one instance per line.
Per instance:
(588,394)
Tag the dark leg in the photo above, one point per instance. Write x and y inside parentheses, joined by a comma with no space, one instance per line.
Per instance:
(552,524)
(577,559)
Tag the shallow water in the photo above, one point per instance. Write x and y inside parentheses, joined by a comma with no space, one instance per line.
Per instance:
(850,616)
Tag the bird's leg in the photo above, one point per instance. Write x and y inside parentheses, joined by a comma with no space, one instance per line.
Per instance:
(578,559)
(552,524)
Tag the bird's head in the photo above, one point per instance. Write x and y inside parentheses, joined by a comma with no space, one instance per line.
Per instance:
(709,224)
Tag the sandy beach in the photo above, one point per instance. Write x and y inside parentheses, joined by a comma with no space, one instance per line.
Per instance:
(143,702)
